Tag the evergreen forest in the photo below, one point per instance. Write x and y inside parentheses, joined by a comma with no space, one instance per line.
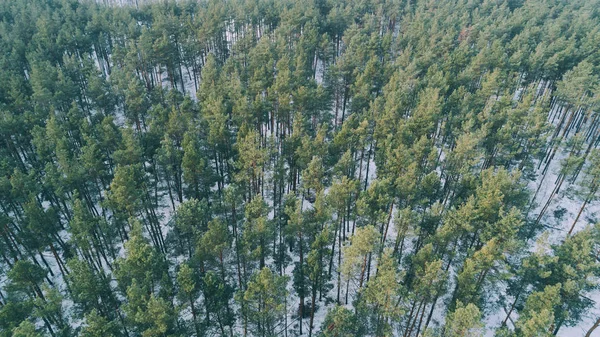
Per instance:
(315,168)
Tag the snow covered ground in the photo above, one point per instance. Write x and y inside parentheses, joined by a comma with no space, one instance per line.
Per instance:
(559,217)
(570,206)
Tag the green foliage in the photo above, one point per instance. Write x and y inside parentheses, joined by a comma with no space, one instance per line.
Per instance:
(25,329)
(97,326)
(363,242)
(537,316)
(339,322)
(465,321)
(158,158)
(24,276)
(263,300)
(143,263)
(383,294)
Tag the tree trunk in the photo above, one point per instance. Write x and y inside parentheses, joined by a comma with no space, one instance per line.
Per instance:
(578,215)
(312,310)
(596,324)
(362,271)
(301,305)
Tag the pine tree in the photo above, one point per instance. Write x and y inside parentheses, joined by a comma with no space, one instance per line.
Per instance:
(25,329)
(257,230)
(251,163)
(26,277)
(217,295)
(90,289)
(464,321)
(298,229)
(263,300)
(97,326)
(196,173)
(356,254)
(588,186)
(191,222)
(382,298)
(317,272)
(189,291)
(537,317)
(142,264)
(339,322)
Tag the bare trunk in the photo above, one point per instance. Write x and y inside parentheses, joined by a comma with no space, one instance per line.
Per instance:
(578,215)
(596,324)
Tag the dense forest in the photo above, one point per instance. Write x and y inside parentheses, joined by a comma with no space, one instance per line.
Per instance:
(328,168)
